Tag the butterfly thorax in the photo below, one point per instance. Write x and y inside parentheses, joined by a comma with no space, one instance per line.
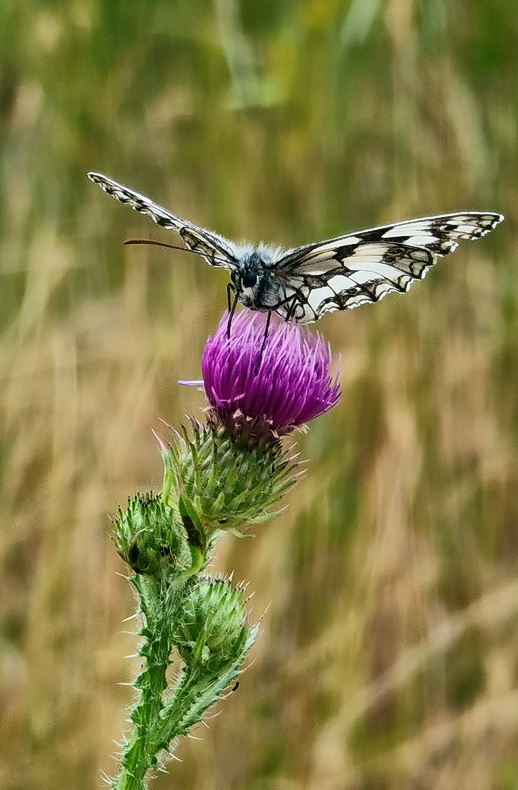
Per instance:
(256,285)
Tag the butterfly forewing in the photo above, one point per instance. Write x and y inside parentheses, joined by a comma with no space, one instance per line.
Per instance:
(363,267)
(215,249)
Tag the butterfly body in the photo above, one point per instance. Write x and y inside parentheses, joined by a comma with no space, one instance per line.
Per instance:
(304,283)
(255,282)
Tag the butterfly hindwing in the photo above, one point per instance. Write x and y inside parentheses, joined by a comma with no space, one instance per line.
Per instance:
(363,267)
(216,250)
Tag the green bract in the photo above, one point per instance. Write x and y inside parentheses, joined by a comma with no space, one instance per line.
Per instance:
(229,481)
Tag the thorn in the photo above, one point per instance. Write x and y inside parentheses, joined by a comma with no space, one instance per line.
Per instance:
(249,664)
(225,696)
(211,717)
(130,617)
(162,445)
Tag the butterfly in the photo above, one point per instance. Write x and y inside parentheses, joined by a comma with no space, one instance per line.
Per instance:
(304,283)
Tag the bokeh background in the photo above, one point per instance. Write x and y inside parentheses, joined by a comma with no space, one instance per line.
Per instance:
(388,589)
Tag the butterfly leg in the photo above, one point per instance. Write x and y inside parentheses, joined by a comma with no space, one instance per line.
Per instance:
(290,312)
(290,303)
(263,344)
(230,290)
(231,306)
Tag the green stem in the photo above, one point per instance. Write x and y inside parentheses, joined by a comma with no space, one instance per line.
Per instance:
(158,721)
(139,753)
(197,690)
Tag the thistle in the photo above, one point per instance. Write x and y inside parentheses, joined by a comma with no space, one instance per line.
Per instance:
(225,473)
(291,386)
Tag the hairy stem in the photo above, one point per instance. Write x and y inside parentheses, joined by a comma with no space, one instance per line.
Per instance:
(139,754)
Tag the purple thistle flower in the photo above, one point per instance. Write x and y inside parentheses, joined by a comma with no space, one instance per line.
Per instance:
(291,385)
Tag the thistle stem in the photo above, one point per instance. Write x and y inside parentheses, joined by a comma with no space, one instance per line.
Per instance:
(139,753)
(157,718)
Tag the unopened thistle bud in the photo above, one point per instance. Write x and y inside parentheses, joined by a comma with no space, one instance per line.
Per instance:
(213,631)
(148,535)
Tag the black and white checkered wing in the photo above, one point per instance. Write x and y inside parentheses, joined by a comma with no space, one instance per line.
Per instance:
(363,267)
(216,250)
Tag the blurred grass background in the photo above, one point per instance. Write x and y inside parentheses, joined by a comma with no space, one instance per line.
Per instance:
(389,652)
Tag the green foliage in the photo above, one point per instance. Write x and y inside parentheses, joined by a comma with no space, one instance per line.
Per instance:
(204,618)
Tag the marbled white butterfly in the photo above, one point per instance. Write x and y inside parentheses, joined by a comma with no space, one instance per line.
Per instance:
(302,284)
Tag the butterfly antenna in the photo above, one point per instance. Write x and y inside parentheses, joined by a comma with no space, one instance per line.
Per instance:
(168,246)
(159,244)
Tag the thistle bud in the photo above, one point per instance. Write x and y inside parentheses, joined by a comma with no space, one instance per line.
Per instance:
(228,481)
(147,536)
(259,386)
(212,631)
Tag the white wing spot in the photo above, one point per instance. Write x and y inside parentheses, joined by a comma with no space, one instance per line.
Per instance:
(318,295)
(406,230)
(465,229)
(340,283)
(421,240)
(370,268)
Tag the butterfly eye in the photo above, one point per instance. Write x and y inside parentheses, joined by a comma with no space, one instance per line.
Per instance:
(249,279)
